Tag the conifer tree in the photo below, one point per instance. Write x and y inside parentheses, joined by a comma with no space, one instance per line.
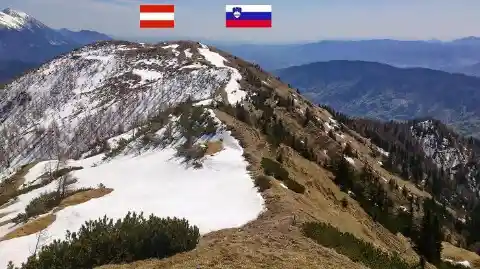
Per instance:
(473,225)
(343,174)
(429,240)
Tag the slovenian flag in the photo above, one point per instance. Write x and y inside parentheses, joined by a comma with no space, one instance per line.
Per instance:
(157,16)
(248,16)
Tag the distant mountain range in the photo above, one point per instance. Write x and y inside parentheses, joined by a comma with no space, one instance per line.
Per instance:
(381,91)
(461,55)
(25,42)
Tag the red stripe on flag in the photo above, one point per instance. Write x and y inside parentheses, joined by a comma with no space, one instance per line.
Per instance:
(157,8)
(248,24)
(157,24)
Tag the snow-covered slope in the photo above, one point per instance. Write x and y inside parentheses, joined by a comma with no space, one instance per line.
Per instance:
(94,92)
(219,195)
(442,150)
(108,94)
(456,156)
(14,19)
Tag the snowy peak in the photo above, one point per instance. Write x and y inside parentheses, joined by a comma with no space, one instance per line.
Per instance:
(26,39)
(17,20)
(15,13)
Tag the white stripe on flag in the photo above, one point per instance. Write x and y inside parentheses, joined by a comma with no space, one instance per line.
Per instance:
(160,16)
(250,8)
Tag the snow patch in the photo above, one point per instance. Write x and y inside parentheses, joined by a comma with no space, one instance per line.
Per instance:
(172,46)
(193,66)
(466,264)
(219,195)
(328,126)
(383,152)
(350,160)
(205,102)
(234,93)
(188,54)
(147,75)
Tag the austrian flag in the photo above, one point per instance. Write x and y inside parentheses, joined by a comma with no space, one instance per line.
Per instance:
(248,16)
(157,16)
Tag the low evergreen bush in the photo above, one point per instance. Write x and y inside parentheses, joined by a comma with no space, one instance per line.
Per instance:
(294,186)
(352,247)
(44,203)
(275,169)
(105,241)
(262,183)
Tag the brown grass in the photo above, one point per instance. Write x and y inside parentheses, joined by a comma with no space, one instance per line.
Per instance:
(459,254)
(10,185)
(82,197)
(274,240)
(31,227)
(213,147)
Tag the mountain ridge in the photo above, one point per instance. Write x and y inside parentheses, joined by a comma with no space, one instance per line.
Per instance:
(448,56)
(381,91)
(104,117)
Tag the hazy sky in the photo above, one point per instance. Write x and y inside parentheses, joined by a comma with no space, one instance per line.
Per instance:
(293,21)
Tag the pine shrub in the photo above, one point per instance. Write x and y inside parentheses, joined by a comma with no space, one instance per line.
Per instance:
(42,204)
(352,247)
(275,169)
(105,241)
(295,186)
(262,183)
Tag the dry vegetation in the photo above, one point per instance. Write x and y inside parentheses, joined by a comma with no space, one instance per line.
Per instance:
(274,240)
(41,223)
(459,254)
(82,197)
(31,227)
(213,147)
(9,186)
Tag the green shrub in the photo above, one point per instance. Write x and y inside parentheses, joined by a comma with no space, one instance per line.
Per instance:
(190,153)
(352,247)
(275,169)
(42,204)
(294,186)
(262,183)
(105,241)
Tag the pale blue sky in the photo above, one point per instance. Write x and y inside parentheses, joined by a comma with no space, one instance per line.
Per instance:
(293,21)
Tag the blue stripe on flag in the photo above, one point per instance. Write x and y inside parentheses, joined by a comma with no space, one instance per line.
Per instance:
(251,16)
